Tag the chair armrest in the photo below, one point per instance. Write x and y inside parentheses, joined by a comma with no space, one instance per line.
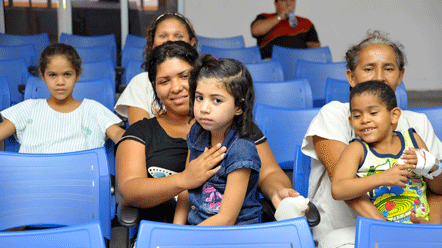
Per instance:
(268,213)
(119,70)
(34,70)
(21,88)
(128,216)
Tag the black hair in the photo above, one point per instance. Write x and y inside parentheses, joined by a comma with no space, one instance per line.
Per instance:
(379,89)
(236,79)
(168,50)
(372,38)
(62,49)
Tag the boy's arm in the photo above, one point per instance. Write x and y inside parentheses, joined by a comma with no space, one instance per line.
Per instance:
(182,209)
(346,185)
(7,129)
(115,132)
(233,198)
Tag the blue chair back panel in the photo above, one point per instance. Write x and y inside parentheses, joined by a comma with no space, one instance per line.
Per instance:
(16,71)
(23,51)
(317,74)
(77,236)
(270,70)
(289,57)
(134,40)
(435,116)
(131,53)
(226,42)
(56,189)
(91,41)
(339,90)
(95,54)
(132,69)
(284,129)
(301,172)
(97,70)
(100,90)
(244,55)
(385,234)
(287,94)
(40,42)
(5,94)
(288,233)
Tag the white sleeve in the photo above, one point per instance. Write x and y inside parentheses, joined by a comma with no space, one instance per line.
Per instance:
(19,114)
(138,93)
(330,123)
(105,117)
(423,127)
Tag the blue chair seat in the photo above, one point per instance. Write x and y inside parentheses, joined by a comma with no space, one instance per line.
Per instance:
(244,55)
(287,94)
(270,70)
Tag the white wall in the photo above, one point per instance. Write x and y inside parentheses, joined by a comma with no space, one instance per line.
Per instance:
(340,23)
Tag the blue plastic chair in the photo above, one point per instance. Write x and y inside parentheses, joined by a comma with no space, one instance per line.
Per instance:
(288,233)
(134,40)
(40,42)
(377,233)
(131,53)
(16,71)
(91,41)
(287,94)
(56,189)
(270,70)
(289,57)
(301,172)
(339,90)
(94,54)
(434,114)
(226,42)
(22,51)
(76,236)
(317,74)
(284,129)
(5,94)
(244,55)
(132,69)
(97,70)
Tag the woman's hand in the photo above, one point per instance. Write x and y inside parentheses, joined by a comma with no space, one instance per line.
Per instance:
(202,168)
(281,194)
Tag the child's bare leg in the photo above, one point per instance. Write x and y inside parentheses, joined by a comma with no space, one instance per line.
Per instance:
(435,202)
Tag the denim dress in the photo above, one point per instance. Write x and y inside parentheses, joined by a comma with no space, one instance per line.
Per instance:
(205,200)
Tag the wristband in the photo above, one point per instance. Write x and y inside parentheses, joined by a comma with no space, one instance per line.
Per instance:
(278,17)
(436,172)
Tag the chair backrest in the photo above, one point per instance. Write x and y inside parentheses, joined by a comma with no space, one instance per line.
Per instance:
(284,128)
(100,90)
(40,42)
(339,90)
(244,55)
(132,69)
(97,70)
(134,40)
(383,234)
(26,51)
(91,41)
(5,94)
(317,74)
(226,42)
(288,233)
(270,70)
(287,94)
(289,57)
(16,71)
(87,235)
(131,53)
(94,54)
(301,172)
(56,189)
(435,116)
